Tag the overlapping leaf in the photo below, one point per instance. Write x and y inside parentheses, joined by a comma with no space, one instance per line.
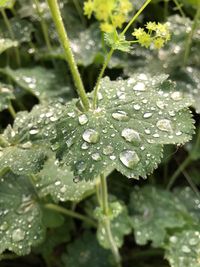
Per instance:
(183,249)
(119,221)
(154,212)
(6,95)
(133,120)
(7,3)
(20,215)
(61,184)
(6,43)
(85,252)
(41,82)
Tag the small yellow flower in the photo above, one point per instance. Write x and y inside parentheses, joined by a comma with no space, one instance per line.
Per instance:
(118,20)
(145,39)
(106,27)
(88,8)
(158,42)
(138,32)
(125,6)
(151,26)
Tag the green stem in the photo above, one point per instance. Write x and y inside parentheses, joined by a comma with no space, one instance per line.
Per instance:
(12,111)
(70,213)
(96,89)
(43,26)
(55,11)
(105,208)
(135,17)
(179,8)
(12,36)
(185,163)
(166,6)
(79,10)
(189,39)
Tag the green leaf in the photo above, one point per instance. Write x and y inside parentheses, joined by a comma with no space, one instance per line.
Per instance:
(133,120)
(60,183)
(6,43)
(6,95)
(43,83)
(120,224)
(154,212)
(117,42)
(20,215)
(22,30)
(183,249)
(7,3)
(85,252)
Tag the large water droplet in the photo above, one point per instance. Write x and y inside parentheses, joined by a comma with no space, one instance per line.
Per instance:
(164,125)
(18,235)
(120,115)
(130,135)
(139,86)
(83,119)
(129,158)
(176,96)
(91,136)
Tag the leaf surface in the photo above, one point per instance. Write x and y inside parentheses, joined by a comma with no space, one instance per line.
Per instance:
(6,95)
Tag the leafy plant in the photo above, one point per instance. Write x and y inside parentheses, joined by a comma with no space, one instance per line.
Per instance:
(64,200)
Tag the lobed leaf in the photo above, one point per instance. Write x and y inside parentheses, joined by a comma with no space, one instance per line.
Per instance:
(6,43)
(20,215)
(133,120)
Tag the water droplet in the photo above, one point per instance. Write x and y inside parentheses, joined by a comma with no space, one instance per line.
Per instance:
(69,142)
(179,133)
(137,107)
(164,125)
(80,167)
(176,96)
(120,115)
(186,249)
(33,131)
(18,235)
(55,146)
(160,104)
(129,158)
(84,146)
(96,156)
(76,179)
(108,150)
(4,226)
(139,86)
(147,115)
(91,136)
(193,241)
(173,239)
(130,135)
(83,119)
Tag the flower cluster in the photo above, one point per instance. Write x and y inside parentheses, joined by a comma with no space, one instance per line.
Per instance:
(157,35)
(111,14)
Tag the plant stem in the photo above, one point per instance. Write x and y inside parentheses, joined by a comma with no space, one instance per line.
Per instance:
(12,36)
(135,17)
(96,89)
(189,39)
(185,163)
(178,5)
(55,11)
(12,111)
(71,213)
(105,208)
(79,10)
(43,26)
(166,6)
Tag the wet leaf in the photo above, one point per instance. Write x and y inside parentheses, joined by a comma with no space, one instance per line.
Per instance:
(183,249)
(155,211)
(85,252)
(59,182)
(6,43)
(133,120)
(6,95)
(20,215)
(120,224)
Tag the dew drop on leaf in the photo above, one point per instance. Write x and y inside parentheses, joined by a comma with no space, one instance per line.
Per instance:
(130,135)
(120,116)
(91,136)
(137,107)
(80,166)
(96,156)
(164,125)
(139,86)
(108,150)
(18,235)
(176,96)
(33,131)
(129,158)
(147,115)
(83,119)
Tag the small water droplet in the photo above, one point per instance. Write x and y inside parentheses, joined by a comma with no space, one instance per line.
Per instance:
(129,158)
(147,115)
(18,235)
(160,104)
(137,107)
(76,179)
(91,136)
(4,226)
(120,115)
(108,150)
(83,119)
(33,131)
(139,86)
(186,249)
(96,156)
(84,146)
(80,167)
(164,125)
(176,96)
(130,135)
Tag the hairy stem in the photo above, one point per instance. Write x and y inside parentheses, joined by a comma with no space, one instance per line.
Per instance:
(11,110)
(189,39)
(70,213)
(43,26)
(12,36)
(105,208)
(185,163)
(96,89)
(56,15)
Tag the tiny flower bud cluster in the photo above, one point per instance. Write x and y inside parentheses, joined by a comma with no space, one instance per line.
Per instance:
(111,14)
(157,35)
